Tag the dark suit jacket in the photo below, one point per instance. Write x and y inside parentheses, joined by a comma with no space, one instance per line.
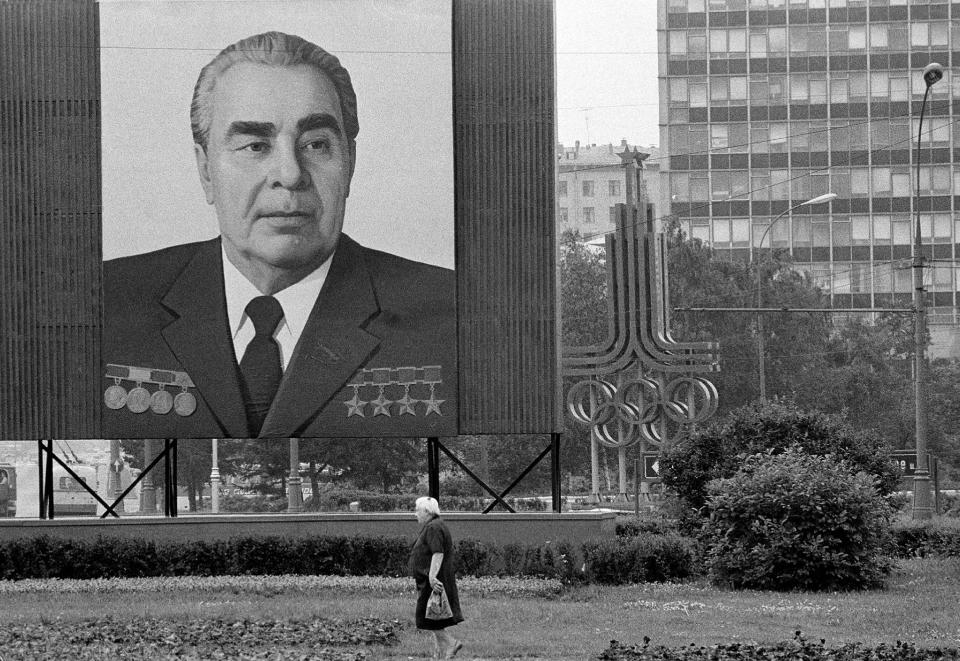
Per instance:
(376,313)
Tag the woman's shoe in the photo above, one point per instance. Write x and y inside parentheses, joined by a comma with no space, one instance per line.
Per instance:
(457,646)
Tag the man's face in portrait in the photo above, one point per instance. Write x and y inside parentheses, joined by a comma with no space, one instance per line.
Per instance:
(277,166)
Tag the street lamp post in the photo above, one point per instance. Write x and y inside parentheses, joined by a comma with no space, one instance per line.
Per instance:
(761,348)
(214,477)
(922,505)
(294,484)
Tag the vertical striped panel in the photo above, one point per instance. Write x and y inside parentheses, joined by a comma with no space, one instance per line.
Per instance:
(49,219)
(504,139)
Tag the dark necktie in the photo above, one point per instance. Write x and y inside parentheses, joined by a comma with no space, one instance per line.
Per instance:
(260,366)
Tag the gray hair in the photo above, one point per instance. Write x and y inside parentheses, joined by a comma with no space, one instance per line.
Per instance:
(428,505)
(275,49)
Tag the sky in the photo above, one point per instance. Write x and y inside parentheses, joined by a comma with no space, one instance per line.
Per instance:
(607,71)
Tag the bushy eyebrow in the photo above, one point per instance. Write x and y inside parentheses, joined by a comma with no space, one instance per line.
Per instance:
(320,120)
(254,129)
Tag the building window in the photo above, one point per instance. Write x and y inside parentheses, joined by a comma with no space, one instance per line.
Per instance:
(678,42)
(878,36)
(562,188)
(588,217)
(860,230)
(882,278)
(613,215)
(718,136)
(737,42)
(564,215)
(678,90)
(920,34)
(859,278)
(588,188)
(881,229)
(857,37)
(614,187)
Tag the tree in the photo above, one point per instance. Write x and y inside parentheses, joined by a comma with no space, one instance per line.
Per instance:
(699,278)
(583,294)
(944,409)
(583,291)
(374,463)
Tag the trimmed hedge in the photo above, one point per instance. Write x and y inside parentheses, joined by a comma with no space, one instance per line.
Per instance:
(650,558)
(940,537)
(645,558)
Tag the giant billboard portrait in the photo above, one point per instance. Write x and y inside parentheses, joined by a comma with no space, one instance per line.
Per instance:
(278,226)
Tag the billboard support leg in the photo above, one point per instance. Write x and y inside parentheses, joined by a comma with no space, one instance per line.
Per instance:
(45,480)
(49,470)
(433,467)
(41,488)
(170,477)
(555,496)
(173,475)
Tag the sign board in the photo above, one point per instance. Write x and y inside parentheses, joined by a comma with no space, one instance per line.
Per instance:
(907,461)
(651,467)
(398,198)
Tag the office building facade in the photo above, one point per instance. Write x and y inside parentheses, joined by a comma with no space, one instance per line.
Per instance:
(767,103)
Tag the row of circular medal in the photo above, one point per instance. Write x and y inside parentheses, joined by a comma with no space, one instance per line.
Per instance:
(139,400)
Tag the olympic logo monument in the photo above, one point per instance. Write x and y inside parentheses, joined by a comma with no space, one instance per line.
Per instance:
(639,385)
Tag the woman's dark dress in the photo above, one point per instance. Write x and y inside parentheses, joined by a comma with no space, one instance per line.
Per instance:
(434,538)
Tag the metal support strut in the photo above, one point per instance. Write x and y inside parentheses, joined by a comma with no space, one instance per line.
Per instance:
(46,456)
(434,447)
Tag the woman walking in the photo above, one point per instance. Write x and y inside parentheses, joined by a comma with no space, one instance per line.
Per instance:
(432,565)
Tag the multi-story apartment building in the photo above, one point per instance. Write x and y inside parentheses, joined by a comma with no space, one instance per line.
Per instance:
(592,179)
(767,103)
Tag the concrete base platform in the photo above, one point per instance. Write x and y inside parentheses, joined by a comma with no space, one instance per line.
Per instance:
(500,528)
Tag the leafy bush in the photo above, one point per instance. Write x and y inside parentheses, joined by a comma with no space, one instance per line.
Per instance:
(940,537)
(718,450)
(633,527)
(639,559)
(796,521)
(799,649)
(316,637)
(258,503)
(950,505)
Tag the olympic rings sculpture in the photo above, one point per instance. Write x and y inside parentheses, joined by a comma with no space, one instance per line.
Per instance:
(622,413)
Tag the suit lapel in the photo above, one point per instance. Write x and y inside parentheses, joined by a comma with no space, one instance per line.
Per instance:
(332,347)
(199,337)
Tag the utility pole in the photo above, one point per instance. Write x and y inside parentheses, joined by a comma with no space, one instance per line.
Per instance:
(922,506)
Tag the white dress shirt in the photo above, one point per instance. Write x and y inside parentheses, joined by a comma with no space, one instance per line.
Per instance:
(297,302)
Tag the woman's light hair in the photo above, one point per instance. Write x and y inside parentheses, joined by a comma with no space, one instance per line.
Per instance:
(428,505)
(274,49)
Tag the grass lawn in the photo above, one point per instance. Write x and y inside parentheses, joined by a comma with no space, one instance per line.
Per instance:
(919,606)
